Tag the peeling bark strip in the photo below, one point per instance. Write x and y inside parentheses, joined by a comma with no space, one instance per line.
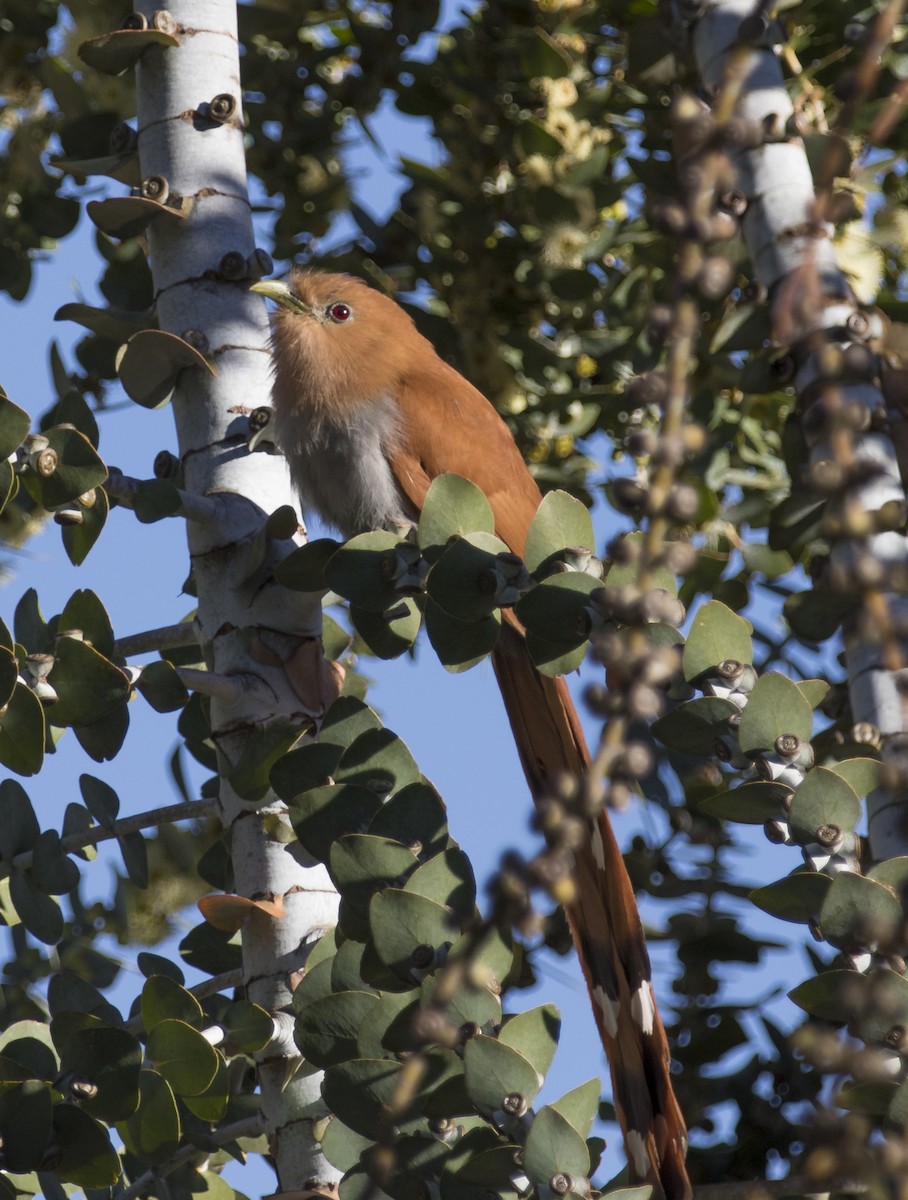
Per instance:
(837,358)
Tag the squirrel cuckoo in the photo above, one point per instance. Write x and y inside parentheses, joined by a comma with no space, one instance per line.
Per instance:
(367,415)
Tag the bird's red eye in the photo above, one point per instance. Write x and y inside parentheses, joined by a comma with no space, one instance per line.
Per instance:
(340,313)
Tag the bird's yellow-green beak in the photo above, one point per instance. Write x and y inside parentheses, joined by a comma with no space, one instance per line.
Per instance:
(280,293)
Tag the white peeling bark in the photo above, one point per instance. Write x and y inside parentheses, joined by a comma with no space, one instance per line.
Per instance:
(240,606)
(812,308)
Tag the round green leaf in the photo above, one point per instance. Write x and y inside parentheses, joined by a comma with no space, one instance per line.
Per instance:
(555,658)
(863,774)
(304,767)
(391,633)
(359,570)
(859,913)
(19,828)
(14,425)
(470,1005)
(22,732)
(380,761)
(460,645)
(775,706)
(534,1034)
(751,803)
(303,569)
(580,1106)
(553,1146)
(416,817)
(823,798)
(316,984)
(185,1059)
(100,799)
(815,616)
(84,611)
(388,1026)
(248,1026)
(323,814)
(358,1092)
(30,1045)
(162,687)
(152,1133)
(87,684)
(885,1006)
(211,950)
(494,1070)
(716,634)
(461,582)
(211,1104)
(554,609)
(561,522)
(813,690)
(26,1115)
(111,1060)
(345,720)
(447,878)
(893,871)
(327,1030)
(9,673)
(38,912)
(79,469)
(53,871)
(361,864)
(165,999)
(695,726)
(135,856)
(453,507)
(341,1146)
(402,923)
(798,897)
(150,362)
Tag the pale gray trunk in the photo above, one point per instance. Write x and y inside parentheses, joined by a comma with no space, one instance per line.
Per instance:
(794,259)
(204,160)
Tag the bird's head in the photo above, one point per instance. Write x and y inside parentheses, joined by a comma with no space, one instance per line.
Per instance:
(337,342)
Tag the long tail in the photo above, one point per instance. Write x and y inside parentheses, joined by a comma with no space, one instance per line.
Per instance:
(606,928)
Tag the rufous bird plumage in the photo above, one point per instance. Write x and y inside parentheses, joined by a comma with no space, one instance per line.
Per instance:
(368,415)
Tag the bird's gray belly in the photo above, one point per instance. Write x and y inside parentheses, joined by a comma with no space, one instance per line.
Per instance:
(341,471)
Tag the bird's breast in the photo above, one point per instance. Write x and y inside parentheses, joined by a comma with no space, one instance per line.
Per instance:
(340,466)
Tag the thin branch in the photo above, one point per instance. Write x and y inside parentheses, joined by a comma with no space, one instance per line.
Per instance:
(249,1127)
(167,637)
(208,987)
(201,509)
(153,817)
(229,688)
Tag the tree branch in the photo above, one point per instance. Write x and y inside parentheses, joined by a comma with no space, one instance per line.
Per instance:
(151,818)
(167,637)
(249,1127)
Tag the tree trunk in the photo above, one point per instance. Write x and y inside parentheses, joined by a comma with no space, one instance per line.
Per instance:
(249,626)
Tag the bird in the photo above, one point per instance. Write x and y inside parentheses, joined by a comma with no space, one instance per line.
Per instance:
(368,414)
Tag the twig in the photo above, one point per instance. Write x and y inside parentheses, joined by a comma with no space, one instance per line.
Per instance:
(249,1127)
(167,637)
(186,811)
(208,987)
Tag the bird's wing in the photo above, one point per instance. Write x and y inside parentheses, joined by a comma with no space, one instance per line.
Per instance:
(458,430)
